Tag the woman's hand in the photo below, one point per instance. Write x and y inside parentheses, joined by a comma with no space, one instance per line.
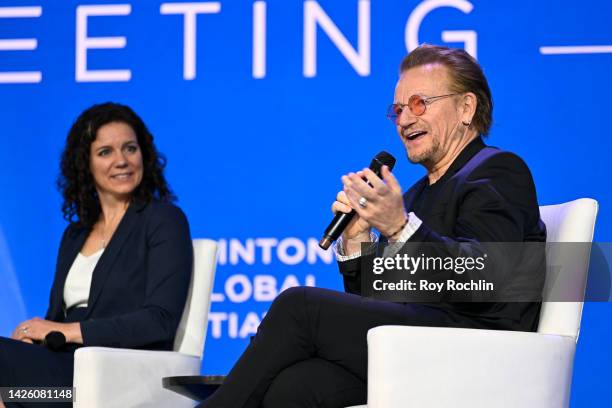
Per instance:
(36,329)
(21,332)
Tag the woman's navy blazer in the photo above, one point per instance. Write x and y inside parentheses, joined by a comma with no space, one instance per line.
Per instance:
(139,285)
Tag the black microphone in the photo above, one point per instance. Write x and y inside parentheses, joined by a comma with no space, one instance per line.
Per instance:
(54,340)
(341,220)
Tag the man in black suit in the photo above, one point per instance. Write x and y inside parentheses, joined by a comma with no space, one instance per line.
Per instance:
(310,350)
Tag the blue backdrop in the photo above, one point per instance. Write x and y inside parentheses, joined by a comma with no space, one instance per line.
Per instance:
(261,106)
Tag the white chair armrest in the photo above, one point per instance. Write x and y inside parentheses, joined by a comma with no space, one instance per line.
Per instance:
(431,367)
(111,377)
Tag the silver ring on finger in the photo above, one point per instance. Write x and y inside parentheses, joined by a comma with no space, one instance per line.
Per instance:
(363,202)
(24,329)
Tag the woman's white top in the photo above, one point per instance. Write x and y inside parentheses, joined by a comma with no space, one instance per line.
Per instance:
(78,281)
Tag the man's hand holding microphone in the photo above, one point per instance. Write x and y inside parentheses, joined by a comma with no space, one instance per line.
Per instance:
(367,200)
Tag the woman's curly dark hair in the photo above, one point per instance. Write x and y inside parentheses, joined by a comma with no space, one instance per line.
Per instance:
(75,182)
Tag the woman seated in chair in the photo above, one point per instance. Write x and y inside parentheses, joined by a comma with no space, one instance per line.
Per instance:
(125,259)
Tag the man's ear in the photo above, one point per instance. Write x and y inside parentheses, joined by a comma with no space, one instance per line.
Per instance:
(467,107)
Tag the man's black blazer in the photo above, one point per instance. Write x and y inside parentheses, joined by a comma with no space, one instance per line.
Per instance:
(487,195)
(139,285)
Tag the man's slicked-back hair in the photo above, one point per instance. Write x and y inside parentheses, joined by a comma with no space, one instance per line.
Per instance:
(466,76)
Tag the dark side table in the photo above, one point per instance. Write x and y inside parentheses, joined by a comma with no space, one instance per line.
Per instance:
(196,387)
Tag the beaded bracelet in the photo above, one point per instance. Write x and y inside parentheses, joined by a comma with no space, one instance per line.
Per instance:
(399,229)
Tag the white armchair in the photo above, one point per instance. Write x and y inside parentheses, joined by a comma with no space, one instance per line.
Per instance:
(112,377)
(429,367)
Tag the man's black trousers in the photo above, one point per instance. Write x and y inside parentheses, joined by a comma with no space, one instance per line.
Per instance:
(310,350)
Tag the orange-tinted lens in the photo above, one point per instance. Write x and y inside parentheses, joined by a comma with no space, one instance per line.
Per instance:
(394,111)
(416,105)
(397,109)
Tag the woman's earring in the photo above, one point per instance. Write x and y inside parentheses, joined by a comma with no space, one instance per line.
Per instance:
(466,123)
